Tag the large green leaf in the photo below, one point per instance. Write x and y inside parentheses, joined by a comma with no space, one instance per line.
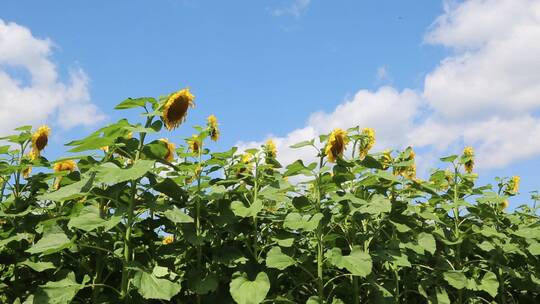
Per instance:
(296,221)
(150,286)
(456,279)
(111,174)
(427,241)
(15,238)
(377,205)
(72,191)
(135,102)
(245,291)
(239,209)
(59,292)
(38,266)
(358,262)
(175,215)
(489,284)
(89,219)
(53,240)
(277,259)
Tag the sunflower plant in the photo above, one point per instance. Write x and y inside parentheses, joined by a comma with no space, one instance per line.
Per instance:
(142,215)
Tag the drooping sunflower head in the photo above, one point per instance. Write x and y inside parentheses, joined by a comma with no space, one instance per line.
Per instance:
(26,172)
(504,204)
(213,127)
(194,144)
(176,107)
(336,144)
(40,138)
(65,165)
(169,239)
(170,149)
(368,140)
(469,164)
(386,159)
(270,148)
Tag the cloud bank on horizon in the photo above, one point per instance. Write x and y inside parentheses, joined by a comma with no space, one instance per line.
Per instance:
(485,94)
(41,97)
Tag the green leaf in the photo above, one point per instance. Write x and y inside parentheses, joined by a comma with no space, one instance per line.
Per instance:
(245,291)
(427,241)
(170,188)
(441,297)
(296,221)
(135,102)
(15,238)
(377,205)
(449,159)
(358,262)
(72,191)
(53,240)
(59,292)
(88,219)
(456,279)
(111,174)
(239,209)
(175,215)
(534,248)
(302,144)
(38,266)
(151,287)
(277,259)
(313,300)
(490,284)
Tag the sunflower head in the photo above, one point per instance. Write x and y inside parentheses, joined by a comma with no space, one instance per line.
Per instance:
(40,138)
(271,149)
(213,127)
(170,149)
(65,165)
(336,144)
(194,144)
(504,204)
(514,184)
(368,141)
(469,165)
(386,159)
(169,239)
(410,171)
(26,172)
(176,107)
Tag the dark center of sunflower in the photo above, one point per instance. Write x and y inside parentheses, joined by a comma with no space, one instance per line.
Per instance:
(41,142)
(337,147)
(178,109)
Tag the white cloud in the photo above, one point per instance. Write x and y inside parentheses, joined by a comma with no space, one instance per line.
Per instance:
(484,94)
(43,96)
(382,74)
(296,8)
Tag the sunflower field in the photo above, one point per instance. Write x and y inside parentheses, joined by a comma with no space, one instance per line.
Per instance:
(136,218)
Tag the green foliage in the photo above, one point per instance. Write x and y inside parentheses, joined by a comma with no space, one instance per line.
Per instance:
(133,225)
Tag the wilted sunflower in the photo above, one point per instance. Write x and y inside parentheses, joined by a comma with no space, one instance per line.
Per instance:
(469,165)
(336,144)
(271,149)
(170,149)
(194,144)
(65,165)
(26,172)
(514,184)
(213,127)
(40,138)
(367,142)
(169,239)
(386,159)
(176,107)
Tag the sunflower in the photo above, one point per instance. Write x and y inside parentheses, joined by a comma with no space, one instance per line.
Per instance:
(26,172)
(367,142)
(336,144)
(386,159)
(504,204)
(176,107)
(213,127)
(170,149)
(40,138)
(271,149)
(410,171)
(194,144)
(65,165)
(169,239)
(469,152)
(514,184)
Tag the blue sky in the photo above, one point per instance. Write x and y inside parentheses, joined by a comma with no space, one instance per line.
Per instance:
(264,67)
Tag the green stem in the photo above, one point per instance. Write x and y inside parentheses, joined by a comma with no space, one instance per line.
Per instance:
(255,224)
(320,245)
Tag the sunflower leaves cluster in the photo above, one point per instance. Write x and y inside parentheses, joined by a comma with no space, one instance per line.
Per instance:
(147,212)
